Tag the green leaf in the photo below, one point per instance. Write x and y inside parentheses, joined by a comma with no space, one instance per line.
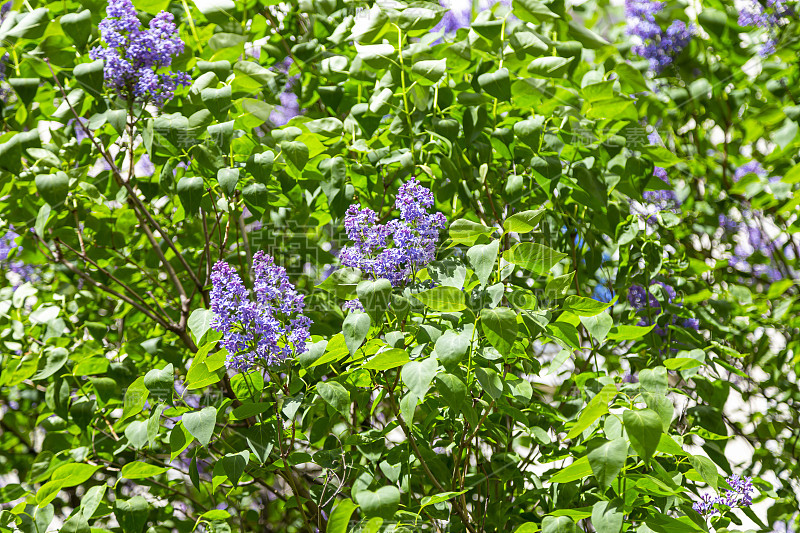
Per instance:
(179,440)
(607,517)
(260,439)
(535,257)
(523,222)
(577,470)
(31,25)
(583,306)
(77,26)
(707,470)
(336,396)
(629,333)
(160,383)
(90,76)
(467,232)
(630,79)
(339,520)
(296,152)
(549,66)
(529,132)
(375,296)
(200,322)
(382,503)
(201,424)
(228,178)
(343,283)
(597,407)
(417,375)
(585,36)
(613,108)
(330,127)
(53,188)
(644,429)
(132,514)
(490,381)
(452,390)
(559,286)
(483,258)
(141,470)
(385,360)
(355,328)
(135,396)
(443,298)
(190,192)
(654,380)
(234,464)
(500,327)
(451,347)
(260,166)
(606,460)
(218,101)
(496,84)
(598,325)
(73,474)
(558,524)
(417,21)
(533,11)
(431,70)
(54,360)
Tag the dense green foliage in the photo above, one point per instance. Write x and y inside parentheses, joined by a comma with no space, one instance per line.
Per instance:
(492,392)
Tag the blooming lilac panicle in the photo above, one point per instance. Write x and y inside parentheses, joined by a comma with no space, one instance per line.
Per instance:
(728,224)
(753,167)
(353,305)
(754,15)
(739,495)
(656,201)
(268,330)
(395,250)
(134,55)
(706,505)
(652,42)
(459,13)
(20,272)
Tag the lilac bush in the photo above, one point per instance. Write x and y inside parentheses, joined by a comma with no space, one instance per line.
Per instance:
(267,330)
(133,55)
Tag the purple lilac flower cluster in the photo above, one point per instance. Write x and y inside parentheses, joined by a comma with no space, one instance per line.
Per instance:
(640,298)
(268,330)
(754,15)
(459,13)
(353,305)
(739,495)
(651,42)
(289,106)
(751,167)
(398,249)
(20,272)
(752,239)
(134,54)
(656,201)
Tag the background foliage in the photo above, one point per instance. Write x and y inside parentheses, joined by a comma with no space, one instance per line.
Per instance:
(514,384)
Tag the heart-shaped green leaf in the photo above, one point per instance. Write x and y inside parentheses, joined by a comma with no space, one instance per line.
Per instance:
(201,424)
